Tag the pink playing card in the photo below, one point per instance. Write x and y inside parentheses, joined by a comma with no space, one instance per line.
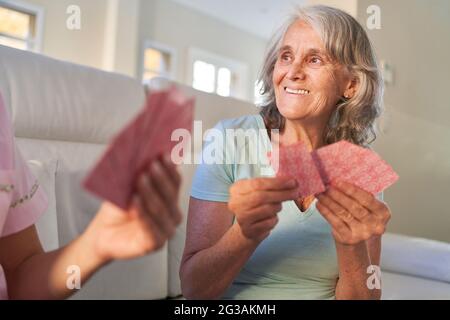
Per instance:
(359,166)
(149,127)
(296,161)
(178,113)
(146,137)
(339,161)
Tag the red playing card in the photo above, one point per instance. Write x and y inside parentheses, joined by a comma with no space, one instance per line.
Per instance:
(104,175)
(178,113)
(145,138)
(339,161)
(128,142)
(296,161)
(359,166)
(122,152)
(147,128)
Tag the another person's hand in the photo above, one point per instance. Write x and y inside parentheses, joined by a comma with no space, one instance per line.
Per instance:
(354,214)
(256,202)
(151,220)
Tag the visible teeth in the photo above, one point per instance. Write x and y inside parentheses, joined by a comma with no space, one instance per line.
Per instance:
(300,91)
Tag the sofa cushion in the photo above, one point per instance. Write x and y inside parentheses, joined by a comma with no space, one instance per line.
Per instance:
(405,287)
(416,257)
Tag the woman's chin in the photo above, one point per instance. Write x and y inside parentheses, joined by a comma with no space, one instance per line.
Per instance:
(292,114)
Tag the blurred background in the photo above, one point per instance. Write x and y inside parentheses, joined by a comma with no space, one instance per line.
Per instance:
(217,46)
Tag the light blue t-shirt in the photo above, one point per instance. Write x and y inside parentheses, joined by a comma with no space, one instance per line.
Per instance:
(298,260)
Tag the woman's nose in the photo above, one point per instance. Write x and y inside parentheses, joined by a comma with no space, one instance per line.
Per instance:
(296,72)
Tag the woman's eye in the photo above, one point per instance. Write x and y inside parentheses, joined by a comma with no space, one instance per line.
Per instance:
(285,57)
(316,60)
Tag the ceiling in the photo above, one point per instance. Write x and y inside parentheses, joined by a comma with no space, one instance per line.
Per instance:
(258,17)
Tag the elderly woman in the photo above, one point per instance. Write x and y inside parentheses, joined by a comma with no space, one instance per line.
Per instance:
(249,237)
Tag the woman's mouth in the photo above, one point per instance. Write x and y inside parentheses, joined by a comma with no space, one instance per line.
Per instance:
(301,92)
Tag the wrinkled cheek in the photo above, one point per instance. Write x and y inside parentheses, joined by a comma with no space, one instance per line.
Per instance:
(319,104)
(328,82)
(334,84)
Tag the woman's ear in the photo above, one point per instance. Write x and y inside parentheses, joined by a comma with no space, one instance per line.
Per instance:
(351,88)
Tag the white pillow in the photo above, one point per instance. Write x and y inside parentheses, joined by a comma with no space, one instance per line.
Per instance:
(47,225)
(416,256)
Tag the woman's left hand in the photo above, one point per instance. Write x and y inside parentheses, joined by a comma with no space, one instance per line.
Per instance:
(354,214)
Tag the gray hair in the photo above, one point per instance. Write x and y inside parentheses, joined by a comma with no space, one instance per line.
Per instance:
(347,43)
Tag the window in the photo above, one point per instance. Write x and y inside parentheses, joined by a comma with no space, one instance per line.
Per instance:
(159,61)
(215,74)
(204,76)
(207,77)
(224,82)
(20,25)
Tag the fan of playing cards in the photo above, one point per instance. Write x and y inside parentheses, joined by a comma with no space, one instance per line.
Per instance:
(343,160)
(146,137)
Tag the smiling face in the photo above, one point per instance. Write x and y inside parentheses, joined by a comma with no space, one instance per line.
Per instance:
(307,83)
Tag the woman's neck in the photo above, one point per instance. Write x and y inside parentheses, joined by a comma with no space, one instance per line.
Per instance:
(306,131)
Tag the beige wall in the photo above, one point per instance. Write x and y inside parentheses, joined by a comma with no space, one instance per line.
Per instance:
(113,33)
(83,46)
(416,130)
(107,39)
(349,6)
(121,47)
(180,27)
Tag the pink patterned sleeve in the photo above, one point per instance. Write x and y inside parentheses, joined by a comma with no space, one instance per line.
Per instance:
(22,201)
(28,200)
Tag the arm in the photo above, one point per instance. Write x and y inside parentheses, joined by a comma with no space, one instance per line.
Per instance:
(353,262)
(358,221)
(213,242)
(33,274)
(113,234)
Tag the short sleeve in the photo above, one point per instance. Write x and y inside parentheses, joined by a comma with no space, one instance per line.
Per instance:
(380,196)
(22,201)
(214,176)
(6,180)
(28,200)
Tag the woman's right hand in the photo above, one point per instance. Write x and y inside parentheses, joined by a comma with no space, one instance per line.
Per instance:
(256,202)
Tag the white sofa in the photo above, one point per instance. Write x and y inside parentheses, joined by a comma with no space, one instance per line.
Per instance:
(65,114)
